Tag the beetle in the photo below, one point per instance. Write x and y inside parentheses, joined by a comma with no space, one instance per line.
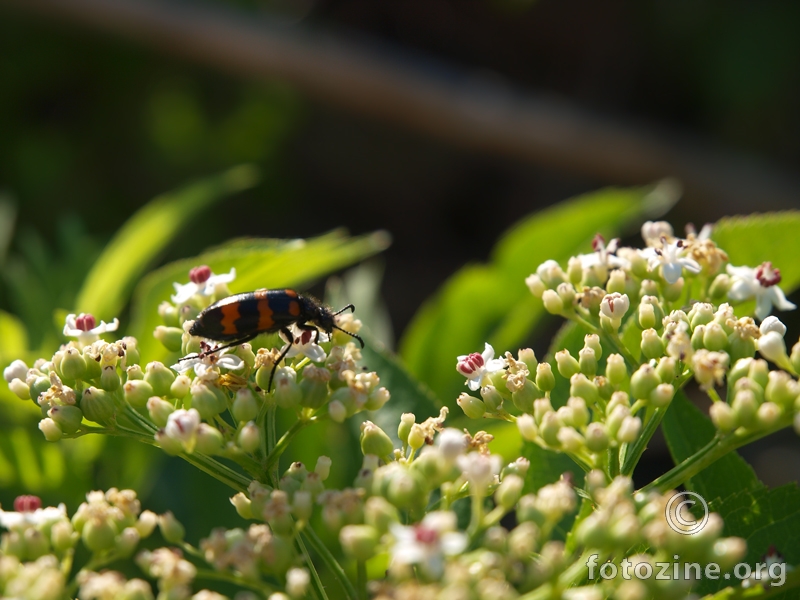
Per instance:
(240,318)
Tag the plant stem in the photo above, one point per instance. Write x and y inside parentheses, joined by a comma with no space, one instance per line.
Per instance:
(263,588)
(336,569)
(361,567)
(275,453)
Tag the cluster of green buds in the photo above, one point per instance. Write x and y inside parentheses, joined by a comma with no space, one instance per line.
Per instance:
(656,320)
(39,546)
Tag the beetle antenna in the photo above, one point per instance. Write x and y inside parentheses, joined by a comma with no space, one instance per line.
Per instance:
(349,307)
(353,335)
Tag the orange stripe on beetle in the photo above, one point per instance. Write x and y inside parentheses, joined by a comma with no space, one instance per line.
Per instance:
(230,314)
(265,320)
(294,308)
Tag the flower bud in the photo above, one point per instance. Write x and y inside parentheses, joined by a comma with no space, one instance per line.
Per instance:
(63,536)
(168,314)
(768,414)
(472,406)
(614,306)
(566,292)
(98,534)
(570,440)
(745,407)
(541,407)
(249,437)
(616,371)
(666,369)
(596,437)
(160,377)
(723,416)
(615,418)
(245,405)
(52,432)
(146,523)
(698,337)
(20,389)
(545,380)
(359,541)
(523,398)
(171,528)
(715,338)
(126,542)
(180,387)
(720,286)
(795,358)
(380,514)
(535,285)
(138,392)
(587,362)
(580,386)
(416,437)
(652,346)
(552,302)
(407,421)
(759,372)
(205,401)
(616,281)
(643,382)
(522,540)
(97,405)
(134,372)
(579,412)
(377,398)
(109,378)
(492,398)
(314,387)
(38,386)
(549,429)
(741,347)
(647,316)
(262,376)
(509,491)
(662,395)
(242,505)
(629,430)
(72,367)
(171,337)
(209,440)
(772,347)
(527,427)
(375,441)
(67,417)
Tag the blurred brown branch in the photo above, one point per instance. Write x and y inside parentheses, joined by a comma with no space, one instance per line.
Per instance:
(462,108)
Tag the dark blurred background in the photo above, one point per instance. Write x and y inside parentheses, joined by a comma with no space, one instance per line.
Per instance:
(442,121)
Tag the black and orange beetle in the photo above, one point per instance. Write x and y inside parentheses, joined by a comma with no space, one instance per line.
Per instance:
(240,318)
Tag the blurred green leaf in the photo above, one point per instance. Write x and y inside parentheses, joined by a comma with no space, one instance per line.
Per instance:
(8,216)
(491,302)
(259,263)
(14,338)
(106,288)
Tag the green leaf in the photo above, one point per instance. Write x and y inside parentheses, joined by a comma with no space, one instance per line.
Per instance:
(106,288)
(751,240)
(491,302)
(686,430)
(764,518)
(547,467)
(259,263)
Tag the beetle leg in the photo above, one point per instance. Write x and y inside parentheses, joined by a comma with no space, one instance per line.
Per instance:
(290,338)
(243,340)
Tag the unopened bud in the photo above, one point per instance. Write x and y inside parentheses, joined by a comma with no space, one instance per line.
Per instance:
(98,534)
(629,429)
(509,491)
(52,432)
(580,386)
(68,417)
(722,416)
(138,392)
(171,528)
(768,414)
(472,406)
(662,395)
(527,427)
(171,337)
(245,405)
(314,387)
(375,441)
(249,437)
(109,378)
(745,407)
(407,421)
(180,387)
(359,541)
(652,346)
(160,377)
(552,302)
(72,367)
(596,437)
(545,380)
(97,405)
(643,382)
(616,371)
(587,361)
(715,338)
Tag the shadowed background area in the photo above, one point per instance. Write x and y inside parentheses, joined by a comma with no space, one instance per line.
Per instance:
(443,122)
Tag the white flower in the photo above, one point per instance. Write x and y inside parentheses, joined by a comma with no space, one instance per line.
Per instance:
(85,328)
(201,281)
(479,469)
(207,365)
(671,258)
(760,283)
(603,255)
(182,425)
(305,343)
(19,521)
(427,543)
(475,366)
(615,305)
